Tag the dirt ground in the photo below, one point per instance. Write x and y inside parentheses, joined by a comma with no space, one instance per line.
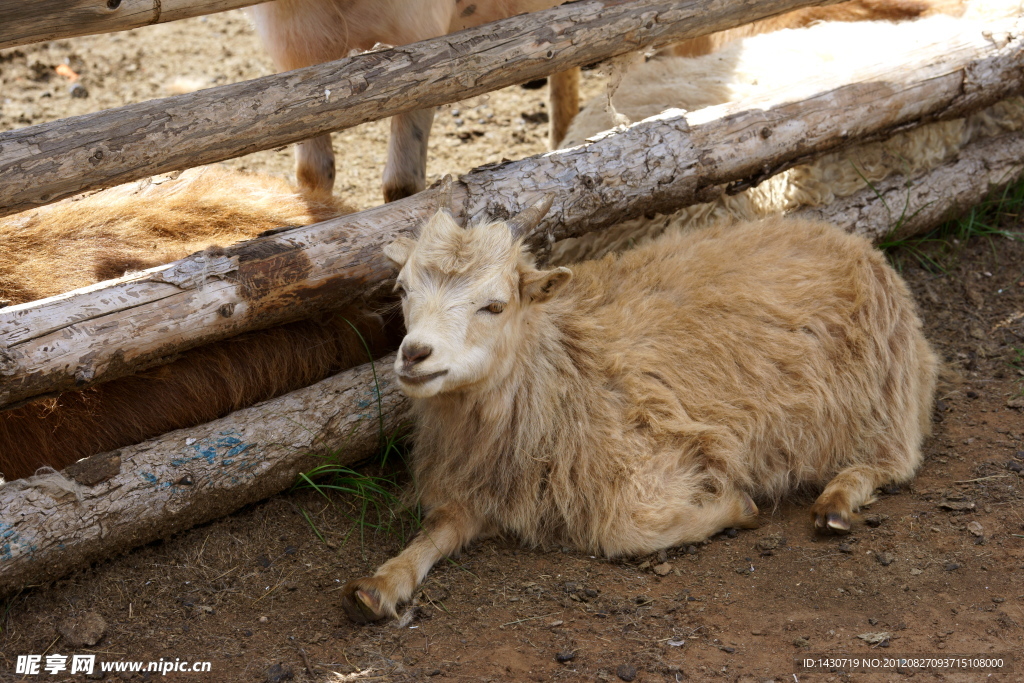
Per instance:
(934,569)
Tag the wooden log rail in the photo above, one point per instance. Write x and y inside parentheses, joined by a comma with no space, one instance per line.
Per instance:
(138,494)
(31,22)
(40,164)
(658,165)
(184,478)
(899,207)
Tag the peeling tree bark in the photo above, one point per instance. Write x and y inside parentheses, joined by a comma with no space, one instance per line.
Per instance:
(658,165)
(899,207)
(32,22)
(189,476)
(43,163)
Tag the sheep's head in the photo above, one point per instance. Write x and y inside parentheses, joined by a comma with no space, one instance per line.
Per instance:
(466,292)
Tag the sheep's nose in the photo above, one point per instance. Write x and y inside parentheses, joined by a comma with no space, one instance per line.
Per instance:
(415,353)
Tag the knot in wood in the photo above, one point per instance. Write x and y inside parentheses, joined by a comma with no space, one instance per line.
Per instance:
(194,272)
(8,365)
(84,374)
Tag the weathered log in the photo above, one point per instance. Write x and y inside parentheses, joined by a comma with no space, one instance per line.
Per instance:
(143,492)
(40,164)
(31,22)
(658,165)
(899,207)
(186,477)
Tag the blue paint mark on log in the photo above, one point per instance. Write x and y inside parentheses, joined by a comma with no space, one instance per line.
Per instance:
(240,448)
(13,543)
(209,454)
(227,449)
(149,477)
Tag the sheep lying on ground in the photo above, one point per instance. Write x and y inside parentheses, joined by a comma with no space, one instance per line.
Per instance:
(640,401)
(84,240)
(753,68)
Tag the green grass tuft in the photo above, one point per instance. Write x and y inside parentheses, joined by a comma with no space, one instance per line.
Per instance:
(1017,363)
(992,218)
(375,501)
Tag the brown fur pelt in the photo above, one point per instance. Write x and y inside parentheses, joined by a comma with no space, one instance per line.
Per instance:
(637,402)
(99,236)
(204,384)
(87,239)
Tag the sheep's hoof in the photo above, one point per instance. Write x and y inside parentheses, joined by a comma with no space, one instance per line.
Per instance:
(362,604)
(833,523)
(832,512)
(748,515)
(396,191)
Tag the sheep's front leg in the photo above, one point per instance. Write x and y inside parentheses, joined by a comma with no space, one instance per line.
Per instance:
(446,529)
(405,172)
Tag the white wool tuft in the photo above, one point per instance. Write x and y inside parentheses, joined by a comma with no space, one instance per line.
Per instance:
(51,482)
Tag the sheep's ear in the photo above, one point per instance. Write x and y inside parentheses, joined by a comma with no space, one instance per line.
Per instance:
(541,285)
(398,251)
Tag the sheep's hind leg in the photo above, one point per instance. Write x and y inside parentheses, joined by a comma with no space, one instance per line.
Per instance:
(405,172)
(732,509)
(853,487)
(446,529)
(674,524)
(565,104)
(314,164)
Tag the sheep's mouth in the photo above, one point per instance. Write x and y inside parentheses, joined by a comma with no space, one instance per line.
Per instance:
(421,379)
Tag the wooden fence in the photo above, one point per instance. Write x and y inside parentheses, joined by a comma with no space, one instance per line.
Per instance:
(140,140)
(119,327)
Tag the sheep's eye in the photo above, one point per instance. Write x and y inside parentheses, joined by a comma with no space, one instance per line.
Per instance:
(494,307)
(399,289)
